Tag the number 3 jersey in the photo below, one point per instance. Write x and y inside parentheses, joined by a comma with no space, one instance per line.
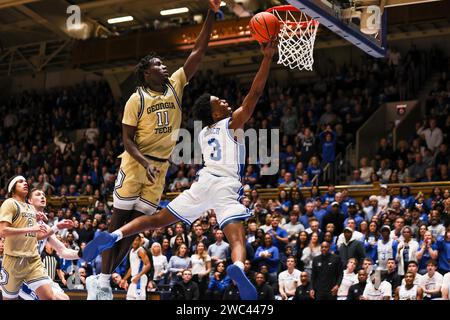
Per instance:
(19,215)
(156,115)
(222,154)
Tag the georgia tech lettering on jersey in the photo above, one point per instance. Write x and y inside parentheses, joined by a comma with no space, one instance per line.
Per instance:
(160,106)
(156,115)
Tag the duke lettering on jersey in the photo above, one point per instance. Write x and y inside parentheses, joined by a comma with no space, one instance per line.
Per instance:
(222,154)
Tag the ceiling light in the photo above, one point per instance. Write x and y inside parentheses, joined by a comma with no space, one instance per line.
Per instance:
(120,19)
(174,11)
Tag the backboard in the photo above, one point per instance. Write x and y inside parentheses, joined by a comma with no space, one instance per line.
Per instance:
(361,22)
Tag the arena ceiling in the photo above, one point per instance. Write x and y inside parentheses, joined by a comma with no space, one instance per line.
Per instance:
(34,36)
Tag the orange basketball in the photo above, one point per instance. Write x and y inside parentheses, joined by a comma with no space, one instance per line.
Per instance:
(263,26)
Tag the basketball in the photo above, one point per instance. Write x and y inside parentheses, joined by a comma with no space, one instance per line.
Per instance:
(263,26)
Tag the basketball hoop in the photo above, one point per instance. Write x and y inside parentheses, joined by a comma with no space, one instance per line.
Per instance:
(296,37)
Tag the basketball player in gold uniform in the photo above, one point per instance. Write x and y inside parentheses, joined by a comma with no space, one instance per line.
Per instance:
(21,262)
(151,116)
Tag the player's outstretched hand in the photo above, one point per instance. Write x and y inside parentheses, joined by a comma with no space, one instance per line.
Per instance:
(269,48)
(214,5)
(65,224)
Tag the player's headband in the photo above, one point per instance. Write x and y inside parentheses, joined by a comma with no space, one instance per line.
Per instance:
(13,182)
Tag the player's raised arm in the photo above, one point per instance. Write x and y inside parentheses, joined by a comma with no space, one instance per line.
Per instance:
(193,61)
(244,112)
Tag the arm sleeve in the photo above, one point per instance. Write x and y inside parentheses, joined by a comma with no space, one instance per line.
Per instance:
(132,110)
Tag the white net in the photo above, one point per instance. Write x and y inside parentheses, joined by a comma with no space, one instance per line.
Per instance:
(296,39)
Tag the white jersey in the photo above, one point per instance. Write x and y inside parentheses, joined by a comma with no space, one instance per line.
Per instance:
(137,291)
(136,263)
(384,290)
(405,294)
(433,283)
(222,154)
(385,251)
(417,279)
(348,280)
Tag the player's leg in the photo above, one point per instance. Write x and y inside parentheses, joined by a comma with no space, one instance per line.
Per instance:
(38,280)
(235,233)
(11,277)
(230,213)
(45,292)
(142,288)
(58,292)
(187,207)
(126,193)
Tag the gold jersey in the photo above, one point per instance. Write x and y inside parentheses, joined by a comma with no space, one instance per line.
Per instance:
(156,115)
(20,215)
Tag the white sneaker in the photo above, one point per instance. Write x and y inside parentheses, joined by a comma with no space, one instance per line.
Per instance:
(92,287)
(104,291)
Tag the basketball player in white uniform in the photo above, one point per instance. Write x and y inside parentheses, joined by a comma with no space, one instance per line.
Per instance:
(219,186)
(386,248)
(409,290)
(139,266)
(38,200)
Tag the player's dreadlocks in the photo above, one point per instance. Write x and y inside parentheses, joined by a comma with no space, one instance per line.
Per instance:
(202,110)
(142,66)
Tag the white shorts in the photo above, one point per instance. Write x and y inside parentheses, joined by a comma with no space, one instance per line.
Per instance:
(210,192)
(26,293)
(138,291)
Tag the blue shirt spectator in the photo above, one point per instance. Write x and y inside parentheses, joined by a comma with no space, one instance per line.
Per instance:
(268,254)
(443,247)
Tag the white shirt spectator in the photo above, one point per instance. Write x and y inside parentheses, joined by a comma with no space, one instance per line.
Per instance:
(219,250)
(308,256)
(348,280)
(433,138)
(446,283)
(437,230)
(265,228)
(198,264)
(293,229)
(413,247)
(366,172)
(160,265)
(434,283)
(417,279)
(383,201)
(289,281)
(385,290)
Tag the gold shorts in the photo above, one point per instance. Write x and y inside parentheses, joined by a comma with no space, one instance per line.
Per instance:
(19,270)
(133,190)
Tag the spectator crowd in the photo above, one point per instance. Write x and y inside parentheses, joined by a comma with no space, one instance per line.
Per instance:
(300,245)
